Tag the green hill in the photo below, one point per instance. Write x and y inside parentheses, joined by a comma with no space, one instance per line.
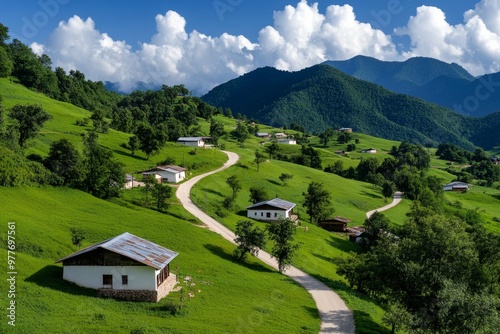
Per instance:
(321,96)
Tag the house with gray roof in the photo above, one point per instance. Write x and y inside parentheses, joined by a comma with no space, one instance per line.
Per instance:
(125,267)
(193,141)
(166,173)
(271,210)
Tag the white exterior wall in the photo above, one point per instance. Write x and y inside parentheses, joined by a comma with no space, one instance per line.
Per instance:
(262,214)
(139,277)
(199,143)
(172,177)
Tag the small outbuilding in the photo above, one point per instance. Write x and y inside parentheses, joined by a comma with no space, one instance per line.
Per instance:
(264,135)
(272,210)
(192,141)
(166,173)
(369,151)
(457,186)
(287,141)
(125,267)
(335,224)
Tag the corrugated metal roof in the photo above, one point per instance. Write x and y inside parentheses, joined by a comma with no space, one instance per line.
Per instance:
(135,248)
(276,202)
(190,138)
(172,168)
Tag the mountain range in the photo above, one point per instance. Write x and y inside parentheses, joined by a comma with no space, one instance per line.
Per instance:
(322,96)
(448,85)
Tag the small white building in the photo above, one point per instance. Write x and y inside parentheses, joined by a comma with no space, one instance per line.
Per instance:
(369,151)
(287,141)
(456,186)
(262,135)
(280,135)
(192,141)
(125,267)
(166,173)
(271,210)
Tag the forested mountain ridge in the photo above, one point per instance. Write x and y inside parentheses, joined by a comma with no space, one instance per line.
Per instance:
(322,96)
(448,85)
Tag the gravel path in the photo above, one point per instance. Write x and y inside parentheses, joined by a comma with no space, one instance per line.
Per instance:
(398,196)
(336,318)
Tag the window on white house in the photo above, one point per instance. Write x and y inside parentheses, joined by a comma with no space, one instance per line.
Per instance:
(124,279)
(107,279)
(268,214)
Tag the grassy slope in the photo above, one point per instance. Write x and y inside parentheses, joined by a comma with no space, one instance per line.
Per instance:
(232,295)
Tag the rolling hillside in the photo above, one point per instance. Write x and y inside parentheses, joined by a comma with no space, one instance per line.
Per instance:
(321,96)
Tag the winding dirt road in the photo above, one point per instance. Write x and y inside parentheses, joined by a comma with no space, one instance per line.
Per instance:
(398,196)
(336,318)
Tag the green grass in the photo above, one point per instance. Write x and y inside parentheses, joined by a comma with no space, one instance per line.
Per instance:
(234,297)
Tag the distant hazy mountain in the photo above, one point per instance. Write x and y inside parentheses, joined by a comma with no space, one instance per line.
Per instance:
(448,85)
(322,96)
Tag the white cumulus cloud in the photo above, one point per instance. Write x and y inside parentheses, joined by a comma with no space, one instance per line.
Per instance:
(300,36)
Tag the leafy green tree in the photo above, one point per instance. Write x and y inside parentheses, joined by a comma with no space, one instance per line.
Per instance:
(6,65)
(147,189)
(344,138)
(284,248)
(77,236)
(326,136)
(29,120)
(151,140)
(257,194)
(103,176)
(133,144)
(216,130)
(388,189)
(336,168)
(4,34)
(397,317)
(99,121)
(284,177)
(249,239)
(310,157)
(351,147)
(273,150)
(375,227)
(317,202)
(259,158)
(65,161)
(241,133)
(234,183)
(160,194)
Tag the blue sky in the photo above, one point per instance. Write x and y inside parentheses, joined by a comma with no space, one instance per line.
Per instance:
(205,43)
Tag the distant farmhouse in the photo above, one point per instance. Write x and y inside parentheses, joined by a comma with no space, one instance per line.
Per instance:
(335,224)
(263,135)
(457,187)
(369,150)
(287,141)
(166,173)
(124,267)
(272,210)
(280,135)
(193,141)
(346,130)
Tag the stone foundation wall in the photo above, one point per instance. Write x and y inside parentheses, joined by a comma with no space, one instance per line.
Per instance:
(141,295)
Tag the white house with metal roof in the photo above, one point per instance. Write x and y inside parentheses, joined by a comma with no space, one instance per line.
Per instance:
(192,141)
(271,210)
(166,173)
(125,267)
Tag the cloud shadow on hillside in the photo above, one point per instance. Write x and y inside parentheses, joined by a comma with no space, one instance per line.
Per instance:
(52,277)
(216,250)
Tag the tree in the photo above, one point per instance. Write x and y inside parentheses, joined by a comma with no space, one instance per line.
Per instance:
(310,157)
(241,132)
(273,149)
(397,317)
(6,65)
(216,130)
(249,239)
(234,183)
(29,120)
(133,144)
(351,147)
(375,226)
(344,138)
(284,249)
(259,158)
(326,135)
(99,121)
(65,161)
(160,194)
(284,177)
(151,140)
(103,176)
(147,189)
(317,202)
(257,194)
(77,236)
(388,189)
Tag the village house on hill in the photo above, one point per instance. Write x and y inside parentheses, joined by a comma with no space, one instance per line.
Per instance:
(125,267)
(166,173)
(193,141)
(272,210)
(335,224)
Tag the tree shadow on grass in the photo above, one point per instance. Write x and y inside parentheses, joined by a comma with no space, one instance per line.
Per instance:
(211,191)
(274,182)
(372,195)
(129,155)
(216,250)
(343,244)
(365,324)
(51,277)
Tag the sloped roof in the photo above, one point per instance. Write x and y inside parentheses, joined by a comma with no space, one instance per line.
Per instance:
(135,248)
(168,168)
(276,202)
(190,138)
